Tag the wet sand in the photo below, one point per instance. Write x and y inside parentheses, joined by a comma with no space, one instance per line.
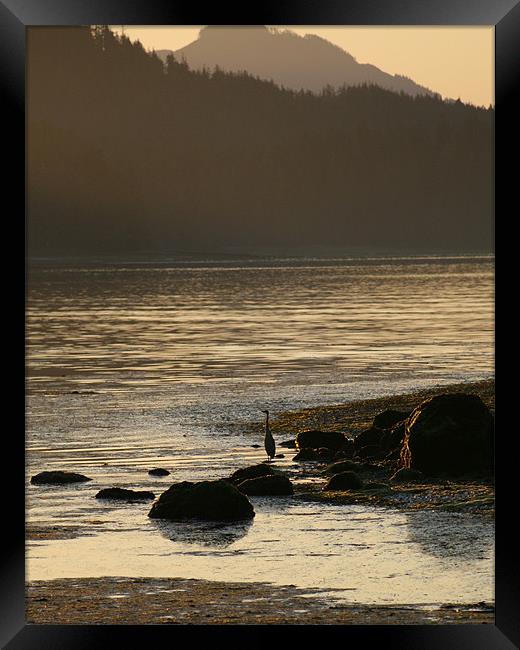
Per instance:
(198,602)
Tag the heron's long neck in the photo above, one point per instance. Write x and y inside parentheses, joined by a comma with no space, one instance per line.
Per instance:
(267,422)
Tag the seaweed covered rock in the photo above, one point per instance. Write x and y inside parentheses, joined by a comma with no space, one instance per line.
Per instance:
(209,500)
(253,471)
(275,485)
(58,478)
(333,440)
(449,434)
(344,481)
(123,494)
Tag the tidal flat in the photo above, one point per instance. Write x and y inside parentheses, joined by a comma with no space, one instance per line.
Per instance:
(143,601)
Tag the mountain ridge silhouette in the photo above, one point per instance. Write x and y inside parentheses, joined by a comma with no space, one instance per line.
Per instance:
(292,61)
(128,154)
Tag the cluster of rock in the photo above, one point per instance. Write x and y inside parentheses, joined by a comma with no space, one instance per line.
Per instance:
(221,500)
(450,434)
(261,480)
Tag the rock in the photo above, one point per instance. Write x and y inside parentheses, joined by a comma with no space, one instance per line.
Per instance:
(209,500)
(449,434)
(388,419)
(280,456)
(256,446)
(122,494)
(288,444)
(275,485)
(370,436)
(344,481)
(58,478)
(341,466)
(347,451)
(333,440)
(253,471)
(405,475)
(159,471)
(392,439)
(323,454)
(370,451)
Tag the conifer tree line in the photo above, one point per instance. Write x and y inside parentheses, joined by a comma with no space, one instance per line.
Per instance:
(126,153)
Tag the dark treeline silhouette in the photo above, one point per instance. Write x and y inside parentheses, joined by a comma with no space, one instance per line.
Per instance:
(127,154)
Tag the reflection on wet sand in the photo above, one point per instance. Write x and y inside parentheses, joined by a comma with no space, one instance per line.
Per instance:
(204,533)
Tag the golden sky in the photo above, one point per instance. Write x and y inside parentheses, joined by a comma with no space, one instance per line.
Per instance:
(453,61)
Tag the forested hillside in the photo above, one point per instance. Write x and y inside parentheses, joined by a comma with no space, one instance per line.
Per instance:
(128,154)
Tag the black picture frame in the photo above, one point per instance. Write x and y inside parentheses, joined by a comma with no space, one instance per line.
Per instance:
(15,17)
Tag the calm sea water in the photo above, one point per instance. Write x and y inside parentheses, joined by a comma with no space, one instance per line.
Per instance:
(134,366)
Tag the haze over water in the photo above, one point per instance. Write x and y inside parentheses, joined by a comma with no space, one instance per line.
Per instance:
(133,366)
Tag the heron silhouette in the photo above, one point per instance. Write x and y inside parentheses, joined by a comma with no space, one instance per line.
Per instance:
(269,443)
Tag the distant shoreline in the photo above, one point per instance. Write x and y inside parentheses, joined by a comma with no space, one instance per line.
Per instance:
(259,254)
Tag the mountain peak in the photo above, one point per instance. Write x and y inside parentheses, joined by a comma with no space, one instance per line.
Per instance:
(307,62)
(221,32)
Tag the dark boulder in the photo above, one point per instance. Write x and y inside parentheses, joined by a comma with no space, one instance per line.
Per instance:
(323,454)
(122,494)
(370,437)
(344,481)
(288,444)
(388,419)
(333,440)
(58,478)
(341,466)
(159,471)
(209,500)
(253,471)
(275,485)
(405,475)
(449,434)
